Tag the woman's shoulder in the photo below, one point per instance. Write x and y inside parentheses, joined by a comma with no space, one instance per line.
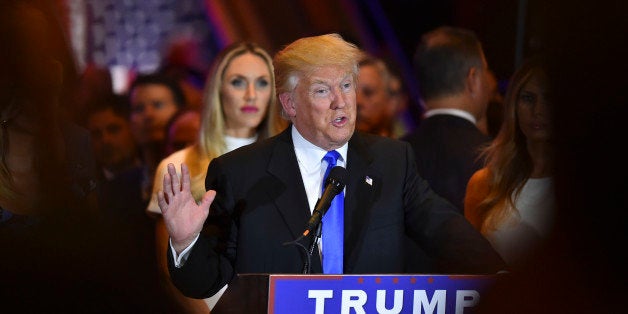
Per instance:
(477,190)
(177,157)
(480,177)
(477,187)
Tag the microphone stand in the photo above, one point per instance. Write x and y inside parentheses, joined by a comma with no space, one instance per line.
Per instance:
(307,252)
(307,267)
(334,184)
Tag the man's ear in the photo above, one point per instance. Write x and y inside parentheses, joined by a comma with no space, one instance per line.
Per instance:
(474,81)
(287,103)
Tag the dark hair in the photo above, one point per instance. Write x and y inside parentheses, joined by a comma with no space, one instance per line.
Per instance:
(443,59)
(161,79)
(117,103)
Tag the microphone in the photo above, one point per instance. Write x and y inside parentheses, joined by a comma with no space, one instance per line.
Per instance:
(333,185)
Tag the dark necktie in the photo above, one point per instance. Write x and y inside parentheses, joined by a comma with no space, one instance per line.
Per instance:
(333,225)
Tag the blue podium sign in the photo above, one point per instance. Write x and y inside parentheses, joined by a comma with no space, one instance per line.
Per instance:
(441,294)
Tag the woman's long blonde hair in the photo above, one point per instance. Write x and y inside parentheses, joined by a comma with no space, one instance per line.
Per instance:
(211,139)
(507,158)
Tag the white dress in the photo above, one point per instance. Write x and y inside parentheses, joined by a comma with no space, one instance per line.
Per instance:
(519,234)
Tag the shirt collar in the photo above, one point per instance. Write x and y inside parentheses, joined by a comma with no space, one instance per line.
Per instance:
(233,143)
(310,155)
(451,111)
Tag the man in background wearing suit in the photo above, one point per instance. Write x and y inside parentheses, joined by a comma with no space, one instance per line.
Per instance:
(453,81)
(262,195)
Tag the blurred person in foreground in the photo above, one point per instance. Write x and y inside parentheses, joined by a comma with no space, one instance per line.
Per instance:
(59,258)
(262,195)
(47,167)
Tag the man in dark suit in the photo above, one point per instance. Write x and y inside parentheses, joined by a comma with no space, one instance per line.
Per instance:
(454,86)
(262,195)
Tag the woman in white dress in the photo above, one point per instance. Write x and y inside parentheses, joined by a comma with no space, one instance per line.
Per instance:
(511,200)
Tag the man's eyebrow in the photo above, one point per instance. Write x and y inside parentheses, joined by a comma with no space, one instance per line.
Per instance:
(327,82)
(319,81)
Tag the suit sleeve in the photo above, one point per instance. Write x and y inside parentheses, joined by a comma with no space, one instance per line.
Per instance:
(444,233)
(210,265)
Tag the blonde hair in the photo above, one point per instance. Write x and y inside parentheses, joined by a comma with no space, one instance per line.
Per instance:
(507,158)
(310,53)
(211,139)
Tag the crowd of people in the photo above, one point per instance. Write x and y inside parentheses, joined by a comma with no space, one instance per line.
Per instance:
(192,193)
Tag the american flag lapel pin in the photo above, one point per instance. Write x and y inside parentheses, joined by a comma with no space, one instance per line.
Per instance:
(368,180)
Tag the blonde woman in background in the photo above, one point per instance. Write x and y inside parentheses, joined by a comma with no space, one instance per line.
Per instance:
(239,108)
(511,200)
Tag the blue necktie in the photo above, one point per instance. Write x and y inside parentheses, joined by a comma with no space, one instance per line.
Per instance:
(333,225)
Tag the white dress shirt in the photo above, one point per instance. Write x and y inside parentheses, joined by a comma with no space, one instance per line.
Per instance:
(451,111)
(312,169)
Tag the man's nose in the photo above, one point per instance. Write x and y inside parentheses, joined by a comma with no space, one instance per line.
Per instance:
(338,100)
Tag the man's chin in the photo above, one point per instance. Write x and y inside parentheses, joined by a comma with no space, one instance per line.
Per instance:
(341,139)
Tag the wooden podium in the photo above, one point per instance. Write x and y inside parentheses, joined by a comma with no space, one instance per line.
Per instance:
(247,293)
(391,293)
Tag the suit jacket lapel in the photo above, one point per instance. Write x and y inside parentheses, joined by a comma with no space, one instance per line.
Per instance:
(290,191)
(362,186)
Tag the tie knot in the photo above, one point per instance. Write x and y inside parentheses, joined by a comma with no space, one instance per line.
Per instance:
(331,157)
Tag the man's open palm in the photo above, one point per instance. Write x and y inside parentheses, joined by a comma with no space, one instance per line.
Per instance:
(184,218)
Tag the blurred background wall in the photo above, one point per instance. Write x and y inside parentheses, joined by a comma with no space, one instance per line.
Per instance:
(133,36)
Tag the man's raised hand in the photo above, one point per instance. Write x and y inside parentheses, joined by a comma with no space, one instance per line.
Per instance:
(183,217)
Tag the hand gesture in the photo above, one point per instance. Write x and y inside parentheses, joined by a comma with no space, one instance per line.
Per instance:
(183,217)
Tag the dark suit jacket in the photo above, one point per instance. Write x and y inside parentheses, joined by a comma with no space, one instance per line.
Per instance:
(446,148)
(261,203)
